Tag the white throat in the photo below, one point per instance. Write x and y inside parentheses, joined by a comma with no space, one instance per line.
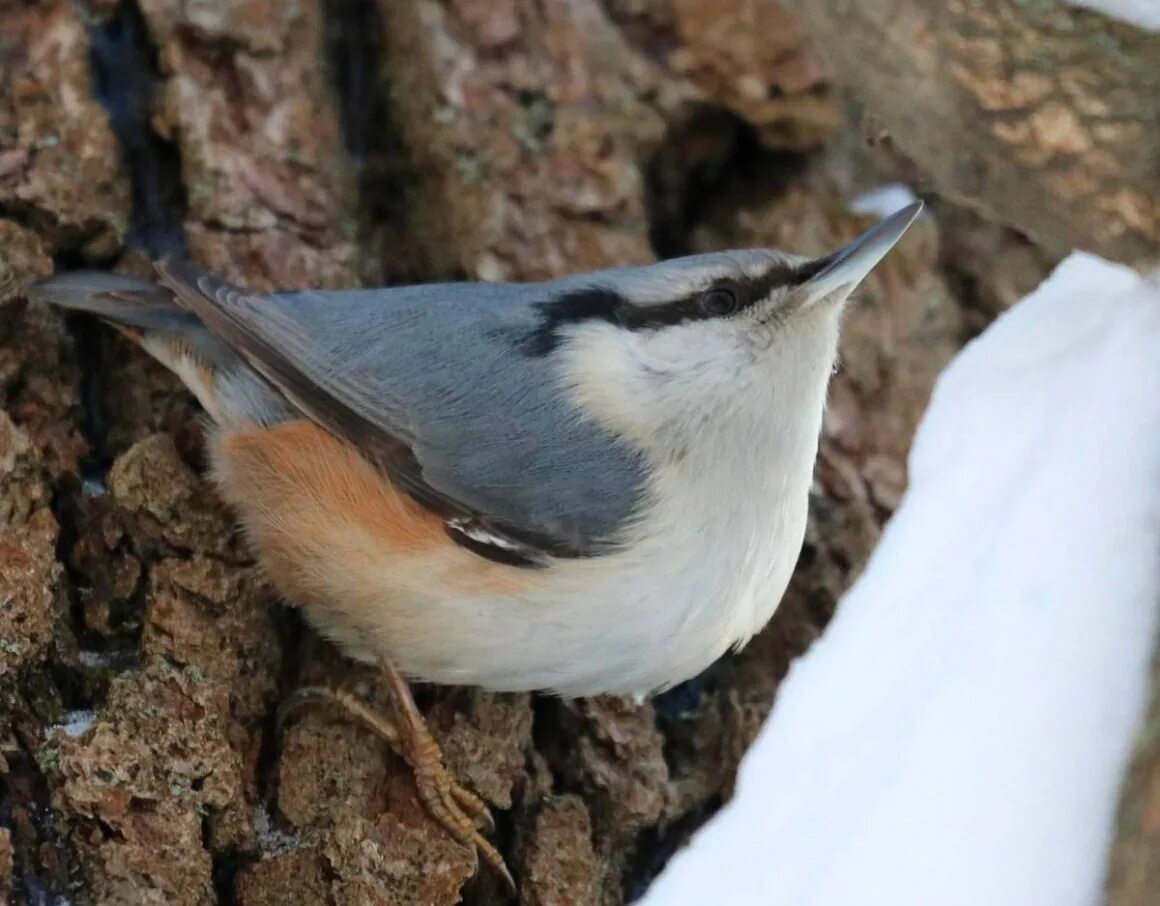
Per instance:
(732,461)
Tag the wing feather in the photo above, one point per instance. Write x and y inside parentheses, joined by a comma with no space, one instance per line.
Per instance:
(278,348)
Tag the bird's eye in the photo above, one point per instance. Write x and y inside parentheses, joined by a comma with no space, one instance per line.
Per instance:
(721,300)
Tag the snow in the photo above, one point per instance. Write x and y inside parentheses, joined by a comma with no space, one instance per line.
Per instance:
(1141,13)
(883,200)
(958,734)
(272,839)
(93,659)
(76,723)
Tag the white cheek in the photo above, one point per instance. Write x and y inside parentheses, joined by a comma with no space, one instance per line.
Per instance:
(597,370)
(693,348)
(637,383)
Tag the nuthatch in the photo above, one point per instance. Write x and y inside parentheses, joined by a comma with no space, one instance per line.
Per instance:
(596,484)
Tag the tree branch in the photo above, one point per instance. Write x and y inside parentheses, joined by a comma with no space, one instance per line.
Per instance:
(1038,115)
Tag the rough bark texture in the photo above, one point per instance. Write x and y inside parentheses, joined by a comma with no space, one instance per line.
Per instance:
(1134,872)
(1040,115)
(142,658)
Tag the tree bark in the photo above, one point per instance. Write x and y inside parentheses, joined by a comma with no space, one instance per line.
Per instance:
(1134,867)
(1042,116)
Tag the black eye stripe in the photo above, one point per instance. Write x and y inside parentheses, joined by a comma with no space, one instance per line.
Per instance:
(600,303)
(582,305)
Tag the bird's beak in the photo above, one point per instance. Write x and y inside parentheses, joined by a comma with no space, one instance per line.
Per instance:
(846,268)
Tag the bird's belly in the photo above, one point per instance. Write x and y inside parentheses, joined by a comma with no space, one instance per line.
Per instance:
(377,574)
(629,632)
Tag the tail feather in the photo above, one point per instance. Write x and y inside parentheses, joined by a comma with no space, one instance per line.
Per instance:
(121,300)
(151,317)
(145,312)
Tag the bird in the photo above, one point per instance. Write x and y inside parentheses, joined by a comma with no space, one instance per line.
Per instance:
(595,484)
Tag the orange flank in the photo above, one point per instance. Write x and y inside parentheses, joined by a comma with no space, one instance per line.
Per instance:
(326,521)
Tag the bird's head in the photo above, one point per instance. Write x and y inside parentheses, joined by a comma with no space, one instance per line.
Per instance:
(666,353)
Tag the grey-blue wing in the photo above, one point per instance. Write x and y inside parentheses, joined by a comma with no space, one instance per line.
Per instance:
(434,383)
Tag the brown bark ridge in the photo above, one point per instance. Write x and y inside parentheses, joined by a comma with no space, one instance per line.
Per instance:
(60,186)
(1041,115)
(1134,867)
(246,101)
(530,125)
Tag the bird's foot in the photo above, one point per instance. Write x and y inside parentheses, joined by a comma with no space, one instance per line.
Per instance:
(458,810)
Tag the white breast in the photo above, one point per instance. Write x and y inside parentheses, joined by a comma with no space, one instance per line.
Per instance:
(709,571)
(704,575)
(702,569)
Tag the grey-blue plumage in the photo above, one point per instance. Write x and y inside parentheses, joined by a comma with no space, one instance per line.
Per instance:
(443,368)
(456,372)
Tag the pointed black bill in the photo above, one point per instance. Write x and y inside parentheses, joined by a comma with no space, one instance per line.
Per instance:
(849,266)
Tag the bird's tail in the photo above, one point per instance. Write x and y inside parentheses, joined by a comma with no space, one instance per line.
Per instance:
(122,301)
(149,315)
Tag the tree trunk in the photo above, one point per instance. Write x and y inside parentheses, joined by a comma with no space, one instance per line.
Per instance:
(1040,115)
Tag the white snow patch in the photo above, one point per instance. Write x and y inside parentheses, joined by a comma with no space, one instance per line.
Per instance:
(93,659)
(1141,13)
(958,734)
(76,723)
(272,839)
(883,200)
